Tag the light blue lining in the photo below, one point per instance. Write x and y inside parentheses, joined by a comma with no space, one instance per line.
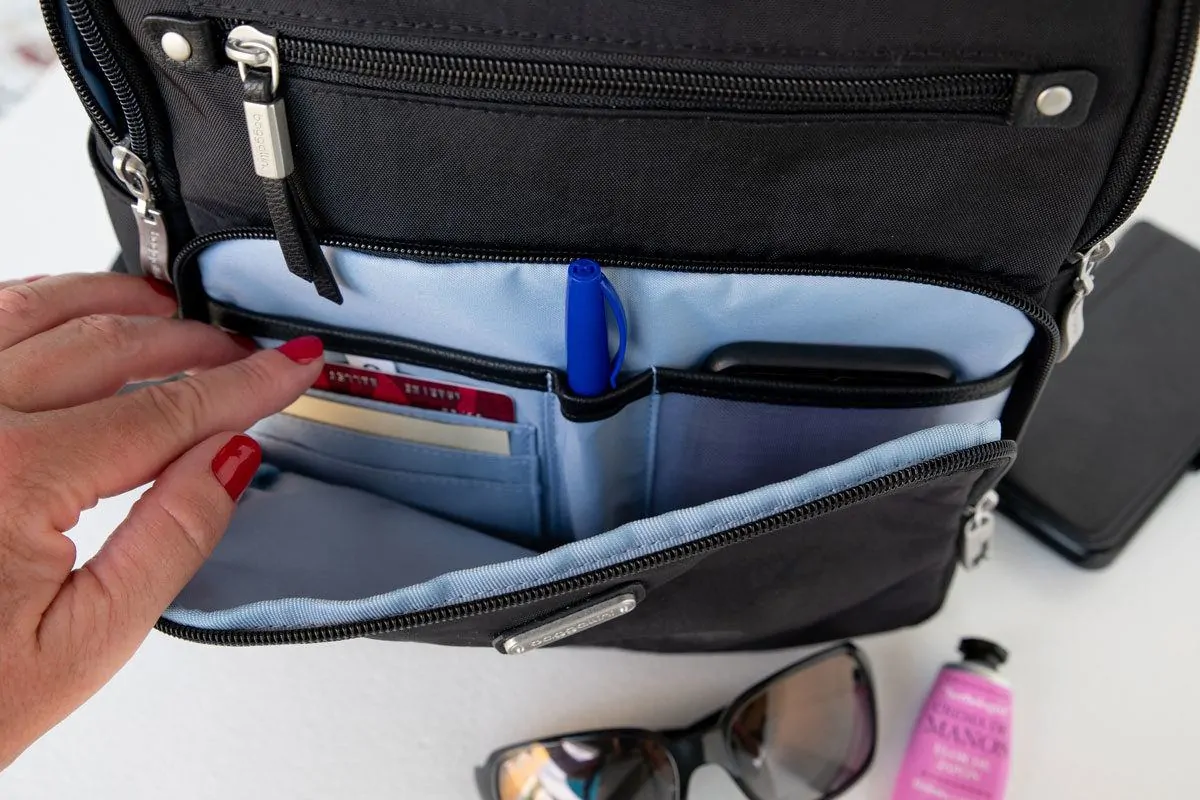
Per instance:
(386,453)
(515,311)
(510,509)
(626,542)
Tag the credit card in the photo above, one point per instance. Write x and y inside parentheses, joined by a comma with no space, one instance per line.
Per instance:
(403,390)
(397,426)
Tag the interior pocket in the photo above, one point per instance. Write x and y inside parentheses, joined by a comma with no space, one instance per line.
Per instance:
(495,492)
(302,554)
(708,446)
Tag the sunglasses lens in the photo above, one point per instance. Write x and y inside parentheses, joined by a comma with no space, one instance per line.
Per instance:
(616,767)
(808,734)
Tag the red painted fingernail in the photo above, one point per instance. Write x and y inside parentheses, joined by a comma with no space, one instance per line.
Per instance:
(304,350)
(33,278)
(164,289)
(234,464)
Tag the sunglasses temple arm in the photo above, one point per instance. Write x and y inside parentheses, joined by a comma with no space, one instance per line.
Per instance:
(485,779)
(688,753)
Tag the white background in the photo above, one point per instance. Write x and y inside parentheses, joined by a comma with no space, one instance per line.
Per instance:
(1103,663)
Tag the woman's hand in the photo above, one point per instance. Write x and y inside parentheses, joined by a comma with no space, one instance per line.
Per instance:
(67,346)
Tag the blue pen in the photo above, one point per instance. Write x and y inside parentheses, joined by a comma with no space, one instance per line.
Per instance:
(589,371)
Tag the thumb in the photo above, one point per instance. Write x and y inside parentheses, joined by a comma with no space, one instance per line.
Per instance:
(114,600)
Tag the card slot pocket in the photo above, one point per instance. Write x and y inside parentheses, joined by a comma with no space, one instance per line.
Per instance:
(495,494)
(396,454)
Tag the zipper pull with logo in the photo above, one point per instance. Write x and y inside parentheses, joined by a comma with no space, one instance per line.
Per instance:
(256,54)
(977,531)
(152,233)
(1071,322)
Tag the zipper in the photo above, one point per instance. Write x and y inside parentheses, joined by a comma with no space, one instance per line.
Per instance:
(256,55)
(131,150)
(712,86)
(58,38)
(1100,247)
(1183,55)
(1071,321)
(981,457)
(978,530)
(136,137)
(153,243)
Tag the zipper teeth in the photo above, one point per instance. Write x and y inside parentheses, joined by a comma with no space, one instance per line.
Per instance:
(979,93)
(89,31)
(58,39)
(978,457)
(1181,68)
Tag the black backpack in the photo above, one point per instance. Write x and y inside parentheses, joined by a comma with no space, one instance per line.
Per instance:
(848,241)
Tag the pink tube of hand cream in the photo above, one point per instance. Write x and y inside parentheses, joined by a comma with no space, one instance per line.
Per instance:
(959,748)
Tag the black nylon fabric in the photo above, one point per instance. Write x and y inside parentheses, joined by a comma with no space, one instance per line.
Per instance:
(962,195)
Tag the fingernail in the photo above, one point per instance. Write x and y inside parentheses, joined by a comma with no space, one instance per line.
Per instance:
(304,350)
(234,464)
(33,278)
(244,341)
(159,287)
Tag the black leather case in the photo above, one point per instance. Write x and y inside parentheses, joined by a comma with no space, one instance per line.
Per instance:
(1119,422)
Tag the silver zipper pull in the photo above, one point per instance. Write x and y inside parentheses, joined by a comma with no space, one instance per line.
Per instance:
(1071,322)
(266,117)
(977,531)
(152,234)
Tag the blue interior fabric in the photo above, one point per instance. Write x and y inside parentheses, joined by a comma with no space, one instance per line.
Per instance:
(599,470)
(515,311)
(304,554)
(497,493)
(747,445)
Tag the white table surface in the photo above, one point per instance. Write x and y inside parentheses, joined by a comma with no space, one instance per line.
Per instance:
(1103,663)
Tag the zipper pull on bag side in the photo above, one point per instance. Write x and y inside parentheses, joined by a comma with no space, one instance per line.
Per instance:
(257,56)
(1071,323)
(152,233)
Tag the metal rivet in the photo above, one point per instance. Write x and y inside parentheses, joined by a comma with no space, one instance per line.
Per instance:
(176,46)
(1054,100)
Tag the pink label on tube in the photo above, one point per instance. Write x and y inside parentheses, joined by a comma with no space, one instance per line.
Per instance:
(960,745)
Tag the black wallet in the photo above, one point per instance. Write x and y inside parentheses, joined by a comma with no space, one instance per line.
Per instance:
(1119,421)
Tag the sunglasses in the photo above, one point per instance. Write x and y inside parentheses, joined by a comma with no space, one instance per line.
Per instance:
(805,733)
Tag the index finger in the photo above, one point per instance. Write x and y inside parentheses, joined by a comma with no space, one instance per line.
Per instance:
(117,444)
(28,308)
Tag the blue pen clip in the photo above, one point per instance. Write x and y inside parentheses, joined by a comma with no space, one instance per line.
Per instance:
(589,370)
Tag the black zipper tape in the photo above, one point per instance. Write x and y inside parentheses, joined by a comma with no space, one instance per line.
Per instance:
(51,13)
(127,76)
(1179,58)
(554,77)
(983,457)
(987,94)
